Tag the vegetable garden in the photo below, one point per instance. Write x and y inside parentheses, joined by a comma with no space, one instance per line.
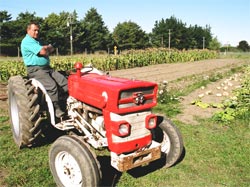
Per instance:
(129,59)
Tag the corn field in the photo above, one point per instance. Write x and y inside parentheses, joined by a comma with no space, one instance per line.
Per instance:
(129,59)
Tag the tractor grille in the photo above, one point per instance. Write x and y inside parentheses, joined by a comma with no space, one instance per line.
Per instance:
(137,122)
(136,97)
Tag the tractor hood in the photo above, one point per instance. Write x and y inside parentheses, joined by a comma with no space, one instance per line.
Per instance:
(118,95)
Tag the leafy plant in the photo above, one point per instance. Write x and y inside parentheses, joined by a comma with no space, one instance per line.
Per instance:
(237,107)
(168,102)
(129,59)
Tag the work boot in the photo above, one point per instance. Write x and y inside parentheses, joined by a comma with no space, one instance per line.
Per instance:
(58,112)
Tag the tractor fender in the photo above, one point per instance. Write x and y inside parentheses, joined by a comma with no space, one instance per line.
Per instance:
(39,85)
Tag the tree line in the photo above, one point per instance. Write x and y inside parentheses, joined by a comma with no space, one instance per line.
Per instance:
(90,34)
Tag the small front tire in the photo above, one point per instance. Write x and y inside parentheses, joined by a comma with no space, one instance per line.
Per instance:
(73,164)
(168,135)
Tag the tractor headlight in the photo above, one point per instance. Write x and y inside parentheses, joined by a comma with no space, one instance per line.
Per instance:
(124,129)
(121,128)
(151,121)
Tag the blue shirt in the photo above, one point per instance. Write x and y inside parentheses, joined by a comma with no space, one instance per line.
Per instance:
(30,49)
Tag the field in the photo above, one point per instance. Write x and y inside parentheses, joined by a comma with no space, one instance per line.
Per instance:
(215,154)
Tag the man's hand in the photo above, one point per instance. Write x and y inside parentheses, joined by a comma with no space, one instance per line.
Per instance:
(50,48)
(46,50)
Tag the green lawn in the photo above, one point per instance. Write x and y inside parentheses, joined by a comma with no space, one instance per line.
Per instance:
(215,155)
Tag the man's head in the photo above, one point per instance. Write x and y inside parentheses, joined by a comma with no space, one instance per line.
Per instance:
(33,30)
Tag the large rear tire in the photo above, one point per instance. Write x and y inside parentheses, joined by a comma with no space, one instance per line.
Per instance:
(24,111)
(73,164)
(168,135)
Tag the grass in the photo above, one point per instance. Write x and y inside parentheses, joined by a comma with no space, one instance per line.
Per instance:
(240,55)
(26,167)
(216,155)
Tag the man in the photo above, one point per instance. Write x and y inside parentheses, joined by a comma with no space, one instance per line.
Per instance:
(36,59)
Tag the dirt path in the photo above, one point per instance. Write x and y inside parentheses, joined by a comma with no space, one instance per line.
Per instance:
(170,72)
(3,96)
(209,98)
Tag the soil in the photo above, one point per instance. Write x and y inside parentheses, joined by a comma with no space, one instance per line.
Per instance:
(3,96)
(212,93)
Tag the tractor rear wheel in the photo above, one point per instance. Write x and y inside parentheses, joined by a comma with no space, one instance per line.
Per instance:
(23,111)
(73,164)
(168,135)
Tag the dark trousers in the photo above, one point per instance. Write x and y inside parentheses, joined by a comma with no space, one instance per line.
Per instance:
(50,79)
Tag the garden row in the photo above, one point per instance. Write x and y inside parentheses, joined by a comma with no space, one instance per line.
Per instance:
(238,106)
(129,59)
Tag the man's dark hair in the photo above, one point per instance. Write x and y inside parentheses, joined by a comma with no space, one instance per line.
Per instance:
(32,22)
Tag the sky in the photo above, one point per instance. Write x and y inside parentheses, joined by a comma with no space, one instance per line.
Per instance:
(229,19)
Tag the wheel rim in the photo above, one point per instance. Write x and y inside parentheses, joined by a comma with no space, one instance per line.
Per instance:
(14,115)
(68,169)
(166,144)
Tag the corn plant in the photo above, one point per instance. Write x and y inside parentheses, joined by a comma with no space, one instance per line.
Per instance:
(129,59)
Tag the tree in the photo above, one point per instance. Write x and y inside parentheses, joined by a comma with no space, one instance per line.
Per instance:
(214,44)
(198,35)
(56,31)
(181,37)
(172,28)
(195,34)
(207,35)
(19,26)
(129,35)
(243,45)
(12,31)
(94,35)
(5,16)
(91,34)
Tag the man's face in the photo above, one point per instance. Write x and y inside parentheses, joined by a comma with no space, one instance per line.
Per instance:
(33,31)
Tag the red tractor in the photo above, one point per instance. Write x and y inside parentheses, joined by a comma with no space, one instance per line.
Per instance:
(103,112)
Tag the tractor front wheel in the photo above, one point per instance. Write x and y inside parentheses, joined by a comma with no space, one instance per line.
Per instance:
(73,164)
(168,135)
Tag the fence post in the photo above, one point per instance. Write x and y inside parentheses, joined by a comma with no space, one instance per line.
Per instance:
(115,50)
(18,52)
